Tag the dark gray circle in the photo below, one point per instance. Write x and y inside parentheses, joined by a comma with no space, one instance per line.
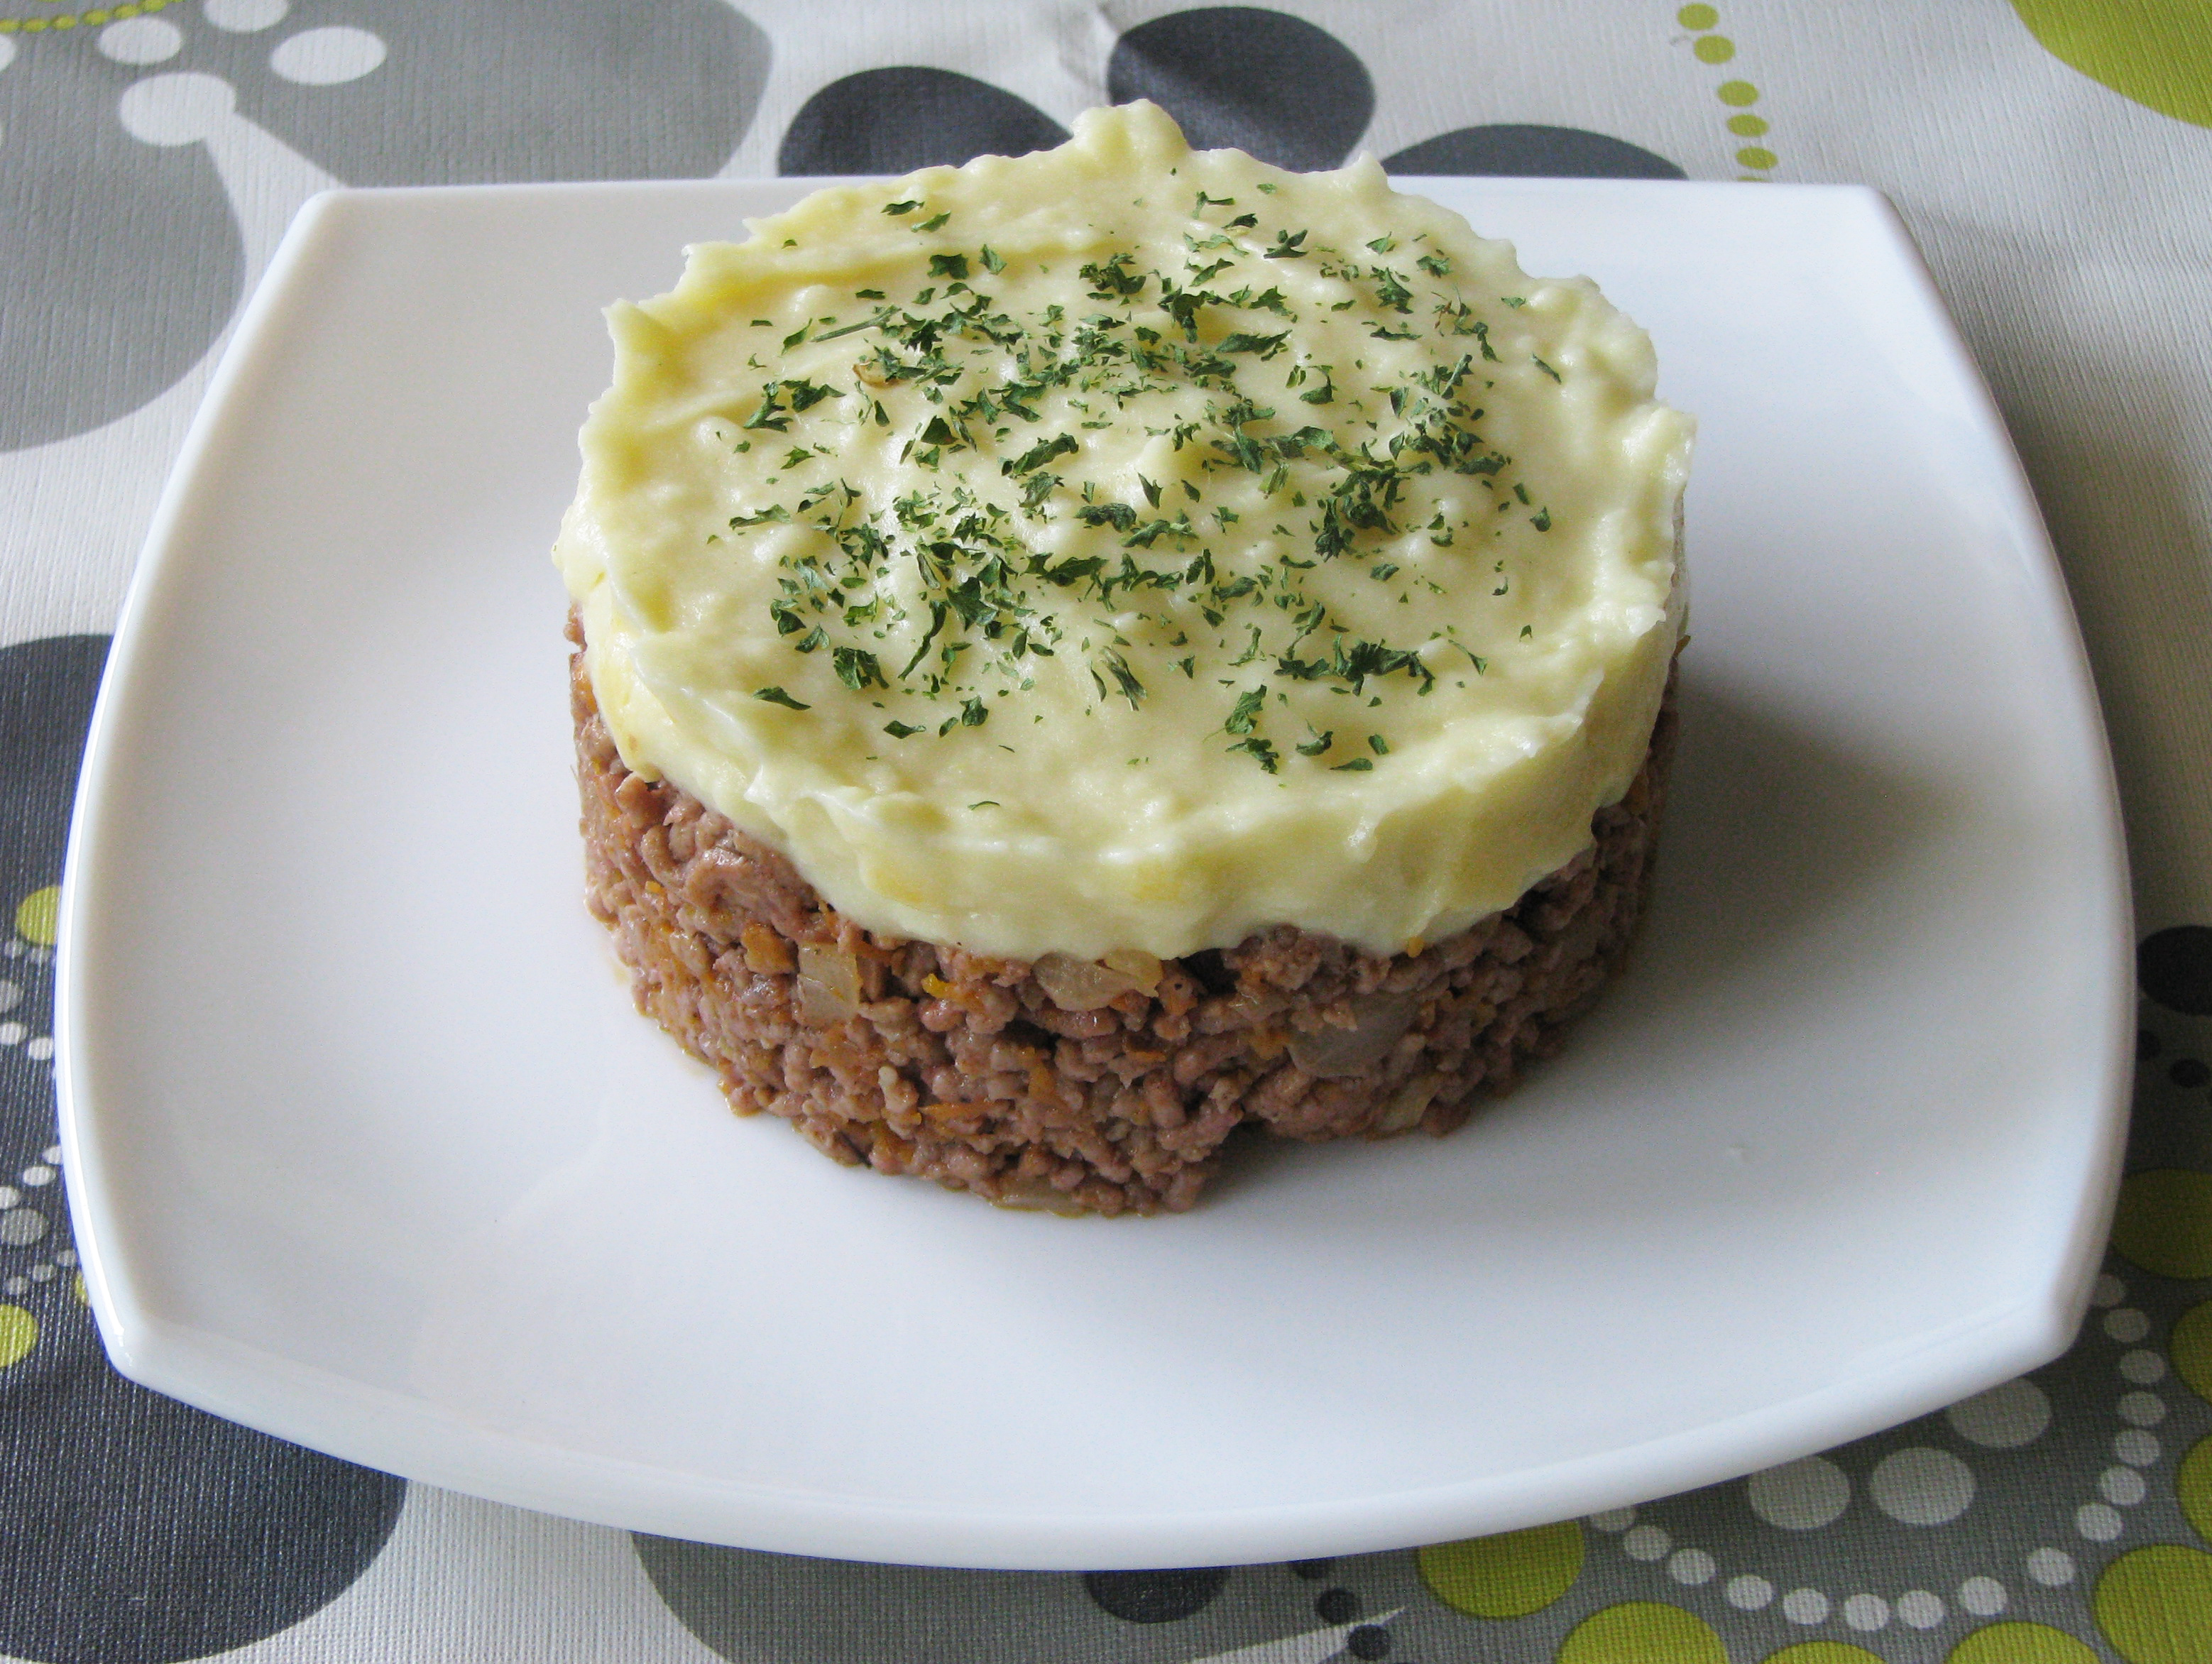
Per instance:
(894,120)
(134,1530)
(1521,150)
(2174,967)
(1155,1597)
(1277,86)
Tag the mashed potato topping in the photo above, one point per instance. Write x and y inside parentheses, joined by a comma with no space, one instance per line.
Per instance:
(1131,547)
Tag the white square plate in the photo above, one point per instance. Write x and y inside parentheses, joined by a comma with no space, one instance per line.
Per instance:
(367,1147)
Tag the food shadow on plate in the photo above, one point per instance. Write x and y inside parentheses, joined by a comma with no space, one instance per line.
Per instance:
(1771,825)
(1776,830)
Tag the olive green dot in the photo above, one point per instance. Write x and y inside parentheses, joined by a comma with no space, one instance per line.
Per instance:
(1642,1632)
(1697,17)
(19,1333)
(2164,1222)
(1746,126)
(38,915)
(1753,156)
(2158,52)
(1714,49)
(2154,1605)
(2017,1643)
(2191,1343)
(1738,94)
(1509,1576)
(2192,1487)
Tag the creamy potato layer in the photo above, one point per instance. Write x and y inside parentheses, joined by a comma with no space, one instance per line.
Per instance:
(1127,546)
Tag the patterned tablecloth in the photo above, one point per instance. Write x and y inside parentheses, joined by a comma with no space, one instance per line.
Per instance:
(2054,158)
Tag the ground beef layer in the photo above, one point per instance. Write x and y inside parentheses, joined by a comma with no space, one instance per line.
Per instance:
(1063,1084)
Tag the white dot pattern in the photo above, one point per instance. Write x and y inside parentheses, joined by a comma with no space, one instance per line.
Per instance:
(1985,1597)
(1805,1606)
(2004,1417)
(1921,1487)
(2121,1486)
(182,108)
(134,40)
(2098,1521)
(1799,1496)
(2143,1409)
(1749,1593)
(2136,1448)
(1691,1566)
(2145,1369)
(1920,1609)
(2127,1325)
(1866,1613)
(244,16)
(327,56)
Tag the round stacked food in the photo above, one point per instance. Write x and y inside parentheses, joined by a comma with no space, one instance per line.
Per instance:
(1079,654)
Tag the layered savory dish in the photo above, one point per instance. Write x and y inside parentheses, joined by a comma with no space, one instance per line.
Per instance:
(1081,653)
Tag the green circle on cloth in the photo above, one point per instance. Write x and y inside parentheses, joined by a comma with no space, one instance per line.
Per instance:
(2158,52)
(19,1333)
(2165,1222)
(1823,1652)
(2154,1606)
(38,915)
(2192,1484)
(2022,1643)
(1642,1632)
(1508,1575)
(2190,1344)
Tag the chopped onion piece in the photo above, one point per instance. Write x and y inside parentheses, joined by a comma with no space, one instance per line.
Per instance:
(1140,967)
(829,984)
(1083,985)
(1379,1019)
